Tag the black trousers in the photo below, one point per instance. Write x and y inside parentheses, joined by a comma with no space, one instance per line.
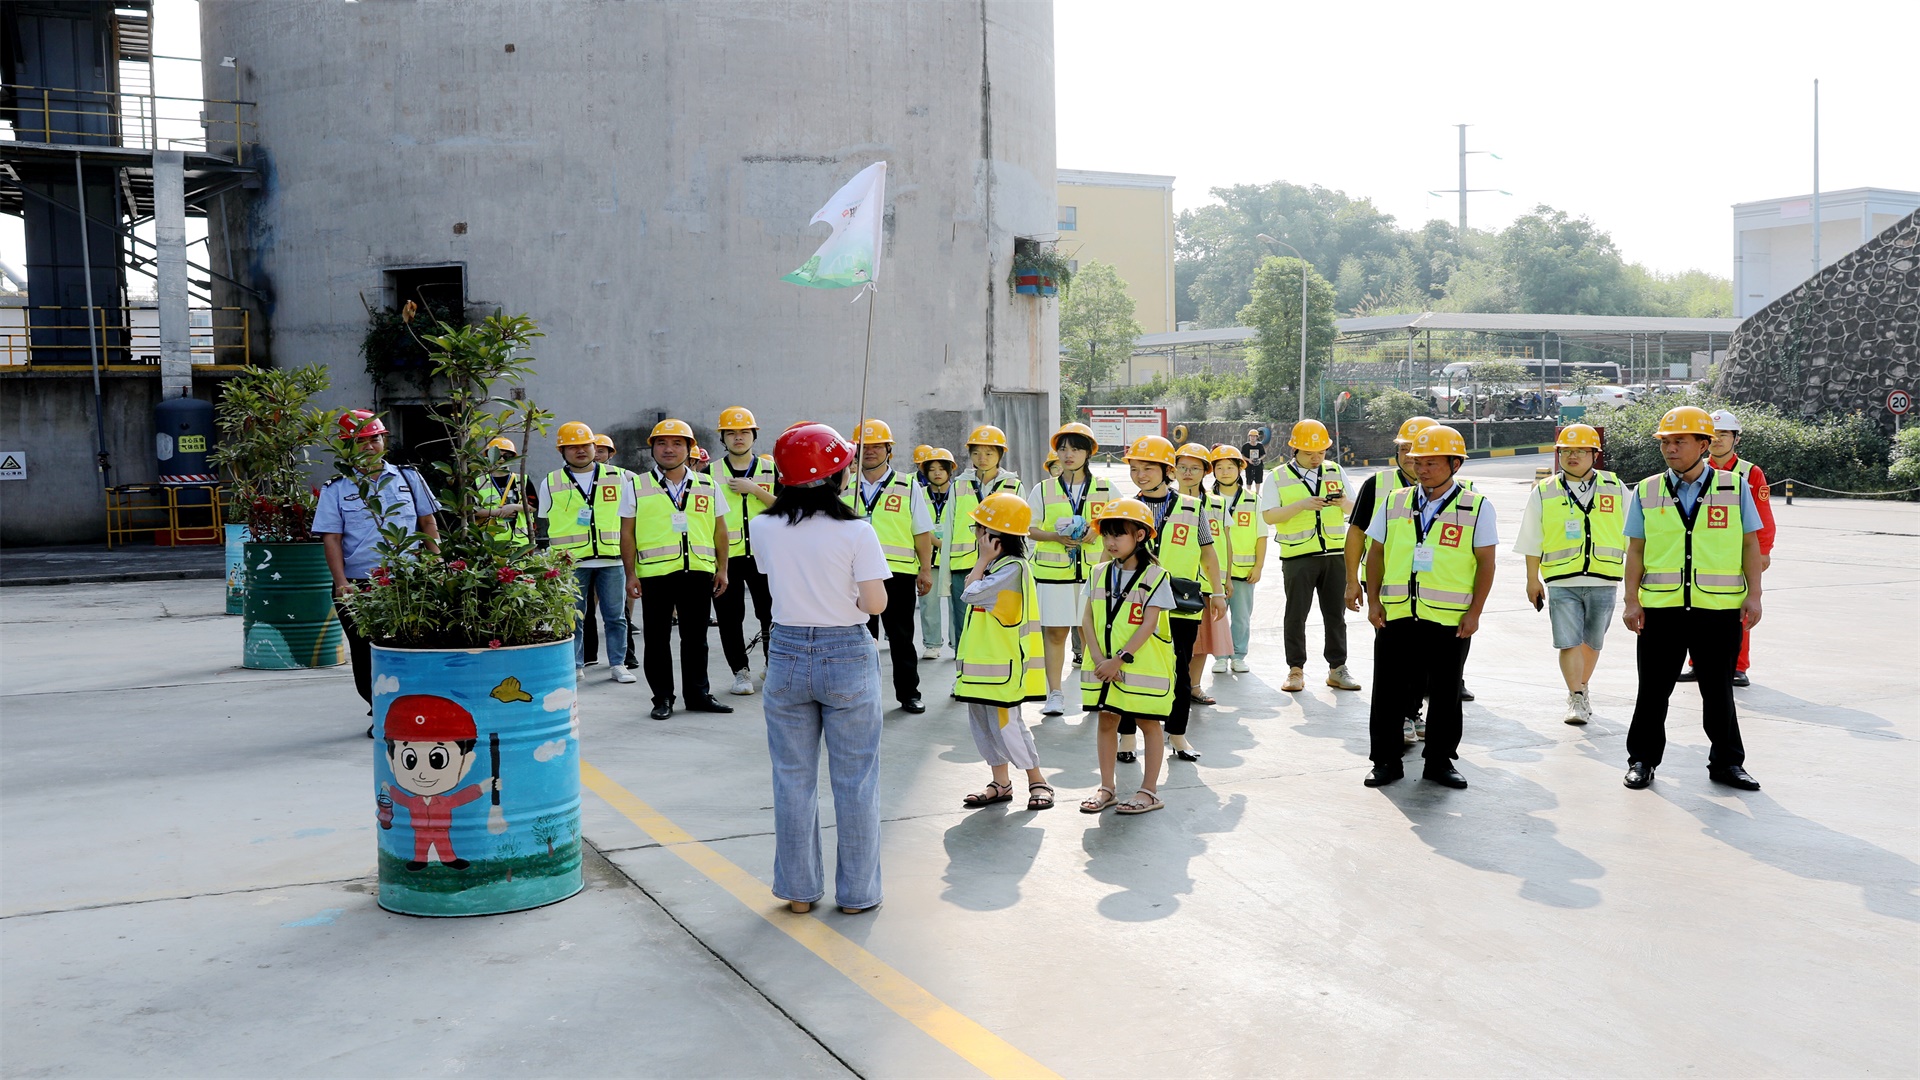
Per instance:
(1415,659)
(730,607)
(689,595)
(899,618)
(1307,577)
(1185,632)
(1714,638)
(359,653)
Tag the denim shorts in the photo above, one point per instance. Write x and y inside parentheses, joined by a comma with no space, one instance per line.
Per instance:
(1580,614)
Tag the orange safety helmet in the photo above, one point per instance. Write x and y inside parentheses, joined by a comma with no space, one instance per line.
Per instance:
(874,433)
(700,455)
(360,424)
(945,457)
(736,419)
(503,444)
(603,440)
(1438,441)
(671,428)
(1411,426)
(920,453)
(1081,430)
(1685,420)
(1053,458)
(1227,452)
(1577,437)
(1309,435)
(1003,512)
(988,435)
(573,433)
(1196,451)
(1152,449)
(1127,510)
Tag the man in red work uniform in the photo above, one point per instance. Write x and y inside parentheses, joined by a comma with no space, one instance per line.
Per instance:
(1721,455)
(430,743)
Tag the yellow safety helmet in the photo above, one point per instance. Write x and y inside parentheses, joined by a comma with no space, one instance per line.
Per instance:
(1685,420)
(935,453)
(920,453)
(1081,430)
(671,428)
(503,444)
(1311,435)
(1152,449)
(1196,451)
(1577,437)
(574,433)
(988,435)
(874,432)
(1003,512)
(1411,426)
(736,418)
(1127,510)
(1053,458)
(1438,441)
(603,440)
(1227,452)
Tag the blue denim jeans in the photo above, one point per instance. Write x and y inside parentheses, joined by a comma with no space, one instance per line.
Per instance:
(1240,613)
(610,584)
(824,681)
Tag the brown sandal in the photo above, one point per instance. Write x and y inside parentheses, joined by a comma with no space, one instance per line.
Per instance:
(996,792)
(1037,801)
(1135,806)
(1097,803)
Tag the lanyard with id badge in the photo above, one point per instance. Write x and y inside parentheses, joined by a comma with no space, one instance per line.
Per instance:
(1423,551)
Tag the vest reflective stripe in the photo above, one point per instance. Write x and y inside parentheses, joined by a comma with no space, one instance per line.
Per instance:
(961,555)
(661,548)
(742,509)
(1145,687)
(1178,544)
(1242,514)
(1395,481)
(599,540)
(1601,550)
(512,529)
(1054,561)
(892,521)
(1698,564)
(1443,594)
(1317,533)
(1002,664)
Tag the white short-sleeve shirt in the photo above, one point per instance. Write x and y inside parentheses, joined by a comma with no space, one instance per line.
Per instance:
(814,568)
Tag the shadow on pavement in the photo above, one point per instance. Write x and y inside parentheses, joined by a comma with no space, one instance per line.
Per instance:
(1147,855)
(1492,827)
(991,850)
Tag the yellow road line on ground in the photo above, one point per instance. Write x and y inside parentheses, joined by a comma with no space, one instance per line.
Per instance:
(986,1051)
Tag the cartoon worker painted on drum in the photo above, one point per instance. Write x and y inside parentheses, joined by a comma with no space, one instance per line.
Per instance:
(430,743)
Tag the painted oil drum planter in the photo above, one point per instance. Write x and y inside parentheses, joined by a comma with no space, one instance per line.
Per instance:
(476,778)
(237,538)
(288,619)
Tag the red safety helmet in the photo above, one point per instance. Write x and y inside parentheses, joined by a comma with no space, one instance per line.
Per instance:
(360,424)
(428,718)
(807,454)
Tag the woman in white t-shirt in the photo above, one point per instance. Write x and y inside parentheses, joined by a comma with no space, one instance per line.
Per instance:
(827,575)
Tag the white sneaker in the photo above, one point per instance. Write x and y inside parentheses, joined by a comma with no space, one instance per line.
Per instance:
(1407,734)
(1055,705)
(742,683)
(1219,665)
(1240,665)
(620,673)
(1578,711)
(931,653)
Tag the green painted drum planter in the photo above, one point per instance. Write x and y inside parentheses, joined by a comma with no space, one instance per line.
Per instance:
(237,537)
(476,769)
(288,618)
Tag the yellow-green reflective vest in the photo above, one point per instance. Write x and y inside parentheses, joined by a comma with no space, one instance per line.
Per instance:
(891,515)
(1384,484)
(1317,533)
(1443,594)
(1697,563)
(968,493)
(1176,545)
(491,495)
(1241,509)
(663,548)
(1576,541)
(1054,561)
(744,508)
(599,539)
(1145,687)
(1001,654)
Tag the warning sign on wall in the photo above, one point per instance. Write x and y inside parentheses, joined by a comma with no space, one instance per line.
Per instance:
(13,464)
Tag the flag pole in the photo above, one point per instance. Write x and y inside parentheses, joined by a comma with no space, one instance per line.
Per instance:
(866,366)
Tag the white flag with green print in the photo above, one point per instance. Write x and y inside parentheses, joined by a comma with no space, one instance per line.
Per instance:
(851,256)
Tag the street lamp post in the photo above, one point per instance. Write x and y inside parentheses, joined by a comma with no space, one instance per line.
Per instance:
(1302,388)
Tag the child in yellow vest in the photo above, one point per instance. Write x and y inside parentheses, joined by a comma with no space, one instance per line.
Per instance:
(1129,667)
(1001,657)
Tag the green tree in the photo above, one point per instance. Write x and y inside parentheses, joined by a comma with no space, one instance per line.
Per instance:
(1496,380)
(1326,226)
(1097,326)
(1392,407)
(1563,265)
(1274,316)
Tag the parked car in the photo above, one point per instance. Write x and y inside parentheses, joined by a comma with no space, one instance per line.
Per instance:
(1604,394)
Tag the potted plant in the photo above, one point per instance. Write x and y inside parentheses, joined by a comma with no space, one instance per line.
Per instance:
(1039,269)
(476,759)
(266,426)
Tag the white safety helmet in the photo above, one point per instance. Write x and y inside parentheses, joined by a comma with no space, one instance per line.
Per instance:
(1724,420)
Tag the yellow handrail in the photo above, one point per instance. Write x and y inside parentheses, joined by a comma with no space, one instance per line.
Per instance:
(121,340)
(189,122)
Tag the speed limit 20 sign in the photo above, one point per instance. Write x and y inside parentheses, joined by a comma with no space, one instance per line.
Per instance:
(1899,402)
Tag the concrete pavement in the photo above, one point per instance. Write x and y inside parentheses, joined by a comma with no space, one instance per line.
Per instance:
(185,854)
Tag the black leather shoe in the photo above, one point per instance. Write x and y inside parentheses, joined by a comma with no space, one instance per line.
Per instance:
(1379,777)
(1125,757)
(1187,755)
(1465,694)
(662,710)
(1448,776)
(1740,679)
(1639,775)
(1689,675)
(706,704)
(914,705)
(1734,776)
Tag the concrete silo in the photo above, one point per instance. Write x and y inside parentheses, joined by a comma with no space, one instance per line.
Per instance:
(637,177)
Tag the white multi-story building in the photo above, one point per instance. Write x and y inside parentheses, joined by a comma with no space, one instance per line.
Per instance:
(1773,239)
